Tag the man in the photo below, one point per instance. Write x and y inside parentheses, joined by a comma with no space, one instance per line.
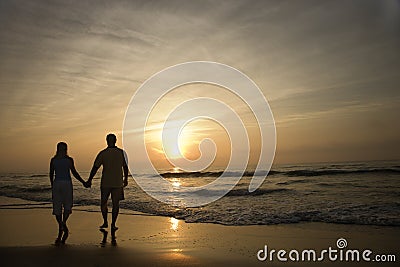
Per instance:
(113,161)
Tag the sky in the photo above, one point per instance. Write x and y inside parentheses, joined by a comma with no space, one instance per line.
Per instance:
(329,70)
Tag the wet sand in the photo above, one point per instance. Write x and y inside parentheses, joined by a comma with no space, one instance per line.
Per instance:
(27,233)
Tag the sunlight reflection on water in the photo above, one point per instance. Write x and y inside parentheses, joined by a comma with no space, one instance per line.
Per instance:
(175,183)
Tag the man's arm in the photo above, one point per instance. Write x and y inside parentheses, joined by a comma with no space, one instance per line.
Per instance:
(51,172)
(92,173)
(125,168)
(126,172)
(96,165)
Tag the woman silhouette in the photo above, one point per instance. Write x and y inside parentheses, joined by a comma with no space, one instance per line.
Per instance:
(62,165)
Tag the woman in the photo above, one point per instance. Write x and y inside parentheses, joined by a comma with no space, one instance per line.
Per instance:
(62,165)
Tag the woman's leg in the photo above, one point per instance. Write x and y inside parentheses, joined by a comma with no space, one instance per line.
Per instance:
(60,229)
(64,225)
(57,210)
(67,203)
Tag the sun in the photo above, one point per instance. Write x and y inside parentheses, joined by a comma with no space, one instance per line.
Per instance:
(175,145)
(173,148)
(176,170)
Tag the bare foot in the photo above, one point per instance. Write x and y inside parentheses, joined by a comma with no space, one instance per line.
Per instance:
(58,239)
(104,225)
(104,240)
(57,242)
(65,235)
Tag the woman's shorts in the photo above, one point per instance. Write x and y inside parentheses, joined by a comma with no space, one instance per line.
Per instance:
(62,197)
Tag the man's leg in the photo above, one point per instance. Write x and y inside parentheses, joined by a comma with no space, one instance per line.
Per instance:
(115,211)
(105,194)
(104,213)
(117,194)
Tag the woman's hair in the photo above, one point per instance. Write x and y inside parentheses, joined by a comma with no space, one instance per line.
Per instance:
(61,149)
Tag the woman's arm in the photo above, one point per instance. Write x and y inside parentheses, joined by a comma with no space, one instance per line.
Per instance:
(51,172)
(75,173)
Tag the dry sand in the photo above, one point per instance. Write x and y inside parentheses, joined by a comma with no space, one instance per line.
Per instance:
(28,231)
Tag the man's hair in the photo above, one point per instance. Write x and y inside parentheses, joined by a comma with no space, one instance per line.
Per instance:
(111,139)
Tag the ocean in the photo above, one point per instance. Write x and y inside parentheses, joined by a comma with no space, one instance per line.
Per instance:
(366,193)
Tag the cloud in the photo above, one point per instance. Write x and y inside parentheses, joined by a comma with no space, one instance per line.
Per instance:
(70,68)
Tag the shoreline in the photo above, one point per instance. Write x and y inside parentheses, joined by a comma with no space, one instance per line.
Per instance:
(144,239)
(124,211)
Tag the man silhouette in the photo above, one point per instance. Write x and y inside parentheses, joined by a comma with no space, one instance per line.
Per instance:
(113,161)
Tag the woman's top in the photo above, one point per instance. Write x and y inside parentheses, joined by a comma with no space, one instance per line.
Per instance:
(62,168)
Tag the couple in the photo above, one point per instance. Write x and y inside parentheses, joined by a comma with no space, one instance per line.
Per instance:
(113,161)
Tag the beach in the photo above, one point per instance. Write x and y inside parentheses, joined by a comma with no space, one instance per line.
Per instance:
(27,232)
(241,133)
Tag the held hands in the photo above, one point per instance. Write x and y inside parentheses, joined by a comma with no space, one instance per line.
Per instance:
(88,184)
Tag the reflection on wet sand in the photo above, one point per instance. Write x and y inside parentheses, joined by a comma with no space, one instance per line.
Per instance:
(174,223)
(104,239)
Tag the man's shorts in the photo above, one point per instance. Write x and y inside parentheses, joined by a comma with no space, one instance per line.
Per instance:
(117,193)
(62,194)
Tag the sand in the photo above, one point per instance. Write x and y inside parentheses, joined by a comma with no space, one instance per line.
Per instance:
(28,230)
